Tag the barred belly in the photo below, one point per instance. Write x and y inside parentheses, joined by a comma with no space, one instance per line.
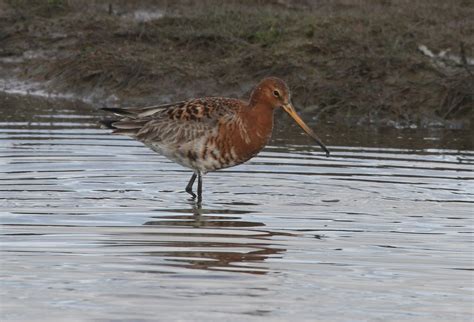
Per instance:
(199,155)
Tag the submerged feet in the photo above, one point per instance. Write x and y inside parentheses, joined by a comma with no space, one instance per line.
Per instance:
(190,191)
(189,186)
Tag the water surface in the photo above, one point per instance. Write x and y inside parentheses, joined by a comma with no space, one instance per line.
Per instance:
(98,227)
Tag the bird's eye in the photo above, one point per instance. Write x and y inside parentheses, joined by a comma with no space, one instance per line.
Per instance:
(276,93)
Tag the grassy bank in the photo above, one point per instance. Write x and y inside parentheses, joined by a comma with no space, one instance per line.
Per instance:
(344,60)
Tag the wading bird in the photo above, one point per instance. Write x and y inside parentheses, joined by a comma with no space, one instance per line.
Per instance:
(211,133)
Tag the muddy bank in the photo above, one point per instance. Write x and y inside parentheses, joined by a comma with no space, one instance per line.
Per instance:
(368,63)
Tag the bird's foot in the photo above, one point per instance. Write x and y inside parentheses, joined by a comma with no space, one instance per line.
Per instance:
(190,191)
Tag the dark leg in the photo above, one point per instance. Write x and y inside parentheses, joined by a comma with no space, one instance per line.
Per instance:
(197,215)
(189,187)
(199,187)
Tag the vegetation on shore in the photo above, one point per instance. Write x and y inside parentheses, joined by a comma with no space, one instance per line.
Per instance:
(344,60)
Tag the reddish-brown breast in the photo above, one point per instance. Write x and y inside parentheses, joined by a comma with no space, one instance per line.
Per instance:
(205,134)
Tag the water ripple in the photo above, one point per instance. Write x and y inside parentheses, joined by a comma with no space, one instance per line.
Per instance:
(99,227)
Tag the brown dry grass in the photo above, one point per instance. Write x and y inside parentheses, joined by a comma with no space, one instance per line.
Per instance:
(352,60)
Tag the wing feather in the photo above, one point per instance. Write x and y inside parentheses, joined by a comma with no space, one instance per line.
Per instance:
(175,123)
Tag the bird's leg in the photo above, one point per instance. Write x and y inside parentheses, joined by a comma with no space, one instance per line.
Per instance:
(199,187)
(189,187)
(197,214)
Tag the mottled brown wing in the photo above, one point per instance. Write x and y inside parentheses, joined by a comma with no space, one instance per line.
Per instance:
(134,118)
(175,123)
(188,121)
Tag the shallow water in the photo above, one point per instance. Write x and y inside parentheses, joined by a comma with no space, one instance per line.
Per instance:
(97,227)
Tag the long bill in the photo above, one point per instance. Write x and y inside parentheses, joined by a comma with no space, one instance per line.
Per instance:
(291,111)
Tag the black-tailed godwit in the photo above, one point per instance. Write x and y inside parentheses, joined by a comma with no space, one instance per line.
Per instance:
(211,133)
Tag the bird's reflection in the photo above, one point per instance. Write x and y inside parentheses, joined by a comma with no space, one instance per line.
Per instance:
(222,240)
(199,218)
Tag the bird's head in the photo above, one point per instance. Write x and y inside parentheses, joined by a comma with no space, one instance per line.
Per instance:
(274,92)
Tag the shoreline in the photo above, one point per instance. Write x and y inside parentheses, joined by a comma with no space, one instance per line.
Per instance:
(389,73)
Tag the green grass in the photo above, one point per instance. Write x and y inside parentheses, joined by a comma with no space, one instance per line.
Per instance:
(343,59)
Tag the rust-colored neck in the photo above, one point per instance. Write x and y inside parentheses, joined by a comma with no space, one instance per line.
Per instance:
(260,118)
(257,96)
(259,123)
